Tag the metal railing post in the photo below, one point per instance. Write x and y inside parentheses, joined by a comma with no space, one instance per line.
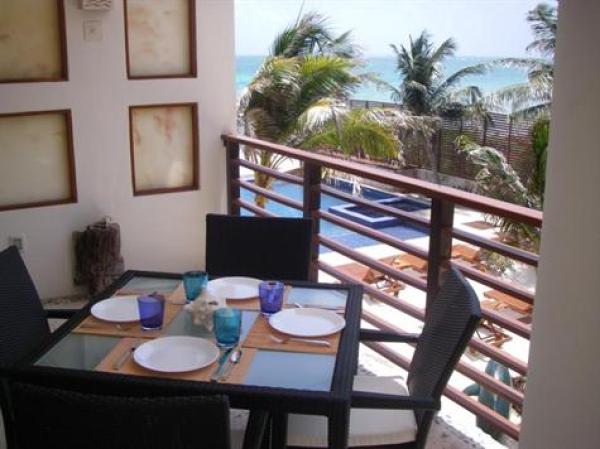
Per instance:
(440,245)
(312,204)
(233,174)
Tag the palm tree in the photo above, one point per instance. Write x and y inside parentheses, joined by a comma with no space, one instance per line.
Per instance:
(424,90)
(287,93)
(286,98)
(308,66)
(533,98)
(298,98)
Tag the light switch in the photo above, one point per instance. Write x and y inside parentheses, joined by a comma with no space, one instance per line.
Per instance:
(92,30)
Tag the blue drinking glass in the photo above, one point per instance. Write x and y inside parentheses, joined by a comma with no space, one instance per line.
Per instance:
(228,325)
(194,282)
(271,297)
(152,311)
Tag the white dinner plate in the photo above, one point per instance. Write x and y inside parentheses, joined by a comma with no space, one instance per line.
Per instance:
(307,322)
(118,309)
(176,354)
(234,288)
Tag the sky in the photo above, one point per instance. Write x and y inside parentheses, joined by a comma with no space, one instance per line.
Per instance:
(480,27)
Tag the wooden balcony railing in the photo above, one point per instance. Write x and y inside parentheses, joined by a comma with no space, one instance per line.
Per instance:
(441,233)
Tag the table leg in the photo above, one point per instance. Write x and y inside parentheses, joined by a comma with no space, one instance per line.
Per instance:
(338,428)
(279,423)
(256,434)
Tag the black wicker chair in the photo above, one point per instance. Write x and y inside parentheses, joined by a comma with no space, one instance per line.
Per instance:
(23,320)
(386,413)
(60,419)
(260,247)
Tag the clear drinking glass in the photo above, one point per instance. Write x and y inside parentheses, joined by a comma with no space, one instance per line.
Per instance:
(271,297)
(194,282)
(228,325)
(152,311)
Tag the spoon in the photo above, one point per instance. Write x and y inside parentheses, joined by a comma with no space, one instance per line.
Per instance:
(236,355)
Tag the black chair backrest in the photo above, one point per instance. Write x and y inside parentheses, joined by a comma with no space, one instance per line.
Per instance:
(60,419)
(450,323)
(23,324)
(260,247)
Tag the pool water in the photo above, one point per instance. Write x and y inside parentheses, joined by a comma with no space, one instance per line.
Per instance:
(337,233)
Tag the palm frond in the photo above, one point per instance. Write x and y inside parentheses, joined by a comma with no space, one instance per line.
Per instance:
(533,112)
(311,34)
(445,50)
(362,132)
(519,98)
(457,77)
(283,41)
(318,115)
(520,63)
(544,23)
(325,77)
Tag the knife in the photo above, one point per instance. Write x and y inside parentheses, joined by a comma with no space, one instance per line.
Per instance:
(222,364)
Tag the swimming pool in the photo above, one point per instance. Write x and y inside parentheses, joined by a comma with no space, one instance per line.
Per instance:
(401,231)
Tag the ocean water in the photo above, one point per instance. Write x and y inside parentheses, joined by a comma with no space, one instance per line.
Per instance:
(384,67)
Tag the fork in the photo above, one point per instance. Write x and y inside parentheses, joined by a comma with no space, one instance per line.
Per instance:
(119,327)
(336,309)
(284,340)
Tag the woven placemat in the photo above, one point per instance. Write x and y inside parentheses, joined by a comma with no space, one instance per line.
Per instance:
(244,304)
(260,337)
(125,345)
(173,306)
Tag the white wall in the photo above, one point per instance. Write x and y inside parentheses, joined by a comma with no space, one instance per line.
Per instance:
(160,232)
(562,405)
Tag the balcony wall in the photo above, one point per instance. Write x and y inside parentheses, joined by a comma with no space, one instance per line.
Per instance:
(561,404)
(158,231)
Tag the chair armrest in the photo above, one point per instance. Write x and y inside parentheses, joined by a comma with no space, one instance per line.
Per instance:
(60,313)
(382,336)
(365,399)
(255,429)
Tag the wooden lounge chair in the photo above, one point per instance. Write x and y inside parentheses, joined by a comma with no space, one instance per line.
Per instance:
(492,333)
(509,301)
(354,270)
(373,277)
(488,331)
(492,304)
(479,224)
(467,253)
(410,261)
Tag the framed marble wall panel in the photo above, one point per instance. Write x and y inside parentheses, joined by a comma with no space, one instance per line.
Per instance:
(37,166)
(32,41)
(160,38)
(164,148)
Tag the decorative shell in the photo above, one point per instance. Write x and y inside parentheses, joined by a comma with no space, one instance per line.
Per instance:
(203,307)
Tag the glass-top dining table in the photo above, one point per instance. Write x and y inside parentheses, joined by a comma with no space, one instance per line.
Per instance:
(276,381)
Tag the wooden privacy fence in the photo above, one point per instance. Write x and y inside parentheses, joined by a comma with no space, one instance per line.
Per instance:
(509,136)
(441,231)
